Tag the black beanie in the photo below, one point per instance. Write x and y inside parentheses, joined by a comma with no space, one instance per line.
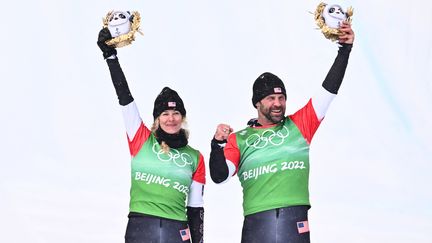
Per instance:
(168,99)
(267,84)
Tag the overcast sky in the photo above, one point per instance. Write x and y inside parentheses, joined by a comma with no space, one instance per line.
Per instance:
(65,164)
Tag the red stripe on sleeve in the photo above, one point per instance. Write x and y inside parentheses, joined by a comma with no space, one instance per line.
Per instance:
(231,150)
(306,121)
(199,175)
(141,136)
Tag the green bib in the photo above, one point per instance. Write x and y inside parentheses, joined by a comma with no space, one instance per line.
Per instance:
(274,167)
(161,181)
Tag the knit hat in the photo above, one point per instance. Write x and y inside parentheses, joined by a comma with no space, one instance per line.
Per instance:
(168,99)
(267,84)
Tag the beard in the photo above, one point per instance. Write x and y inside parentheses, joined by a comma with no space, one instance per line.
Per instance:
(274,118)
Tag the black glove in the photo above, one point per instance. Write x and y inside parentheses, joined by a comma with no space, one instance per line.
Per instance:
(105,35)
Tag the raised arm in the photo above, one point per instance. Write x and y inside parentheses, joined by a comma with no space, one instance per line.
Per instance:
(335,76)
(117,76)
(218,167)
(131,116)
(333,80)
(221,169)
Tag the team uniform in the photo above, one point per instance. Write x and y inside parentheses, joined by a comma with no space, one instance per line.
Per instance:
(272,163)
(160,181)
(166,195)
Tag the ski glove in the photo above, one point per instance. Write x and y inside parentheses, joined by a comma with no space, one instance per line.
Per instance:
(105,35)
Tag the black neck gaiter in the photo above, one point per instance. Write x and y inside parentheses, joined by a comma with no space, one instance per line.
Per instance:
(177,140)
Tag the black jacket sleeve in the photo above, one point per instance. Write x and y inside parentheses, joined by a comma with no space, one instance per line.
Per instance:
(336,73)
(196,223)
(119,80)
(218,167)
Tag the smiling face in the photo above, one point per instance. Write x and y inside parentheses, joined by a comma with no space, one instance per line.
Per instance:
(271,109)
(170,121)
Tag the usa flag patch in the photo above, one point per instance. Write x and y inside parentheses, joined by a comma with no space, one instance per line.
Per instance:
(277,90)
(185,234)
(171,104)
(303,227)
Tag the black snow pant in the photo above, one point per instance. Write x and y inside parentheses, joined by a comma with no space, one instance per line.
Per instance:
(150,229)
(281,225)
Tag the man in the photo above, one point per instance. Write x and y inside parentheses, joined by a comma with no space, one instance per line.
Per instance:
(271,155)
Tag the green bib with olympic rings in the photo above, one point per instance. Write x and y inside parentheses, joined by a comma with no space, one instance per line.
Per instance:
(274,167)
(161,181)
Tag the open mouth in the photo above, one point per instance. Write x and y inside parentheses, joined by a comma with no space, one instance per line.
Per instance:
(276,112)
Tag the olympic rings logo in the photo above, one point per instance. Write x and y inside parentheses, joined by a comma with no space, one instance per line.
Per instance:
(180,159)
(268,137)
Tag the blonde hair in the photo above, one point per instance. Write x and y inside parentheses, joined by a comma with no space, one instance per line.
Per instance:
(155,126)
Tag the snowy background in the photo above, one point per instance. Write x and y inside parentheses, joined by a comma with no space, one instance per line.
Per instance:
(64,167)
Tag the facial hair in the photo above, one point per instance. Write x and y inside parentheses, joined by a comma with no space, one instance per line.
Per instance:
(266,111)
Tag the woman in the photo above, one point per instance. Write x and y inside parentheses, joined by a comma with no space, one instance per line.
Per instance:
(168,175)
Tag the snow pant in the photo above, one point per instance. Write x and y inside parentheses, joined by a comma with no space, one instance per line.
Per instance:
(150,229)
(281,225)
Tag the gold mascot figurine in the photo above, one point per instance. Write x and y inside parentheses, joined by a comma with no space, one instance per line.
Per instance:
(328,17)
(122,25)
